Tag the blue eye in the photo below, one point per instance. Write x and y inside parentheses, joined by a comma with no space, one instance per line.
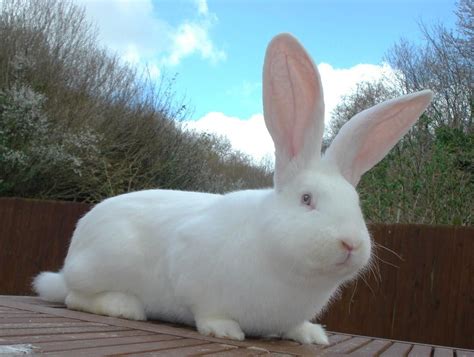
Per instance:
(306,199)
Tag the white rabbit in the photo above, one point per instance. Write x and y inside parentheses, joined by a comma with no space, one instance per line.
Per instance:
(255,262)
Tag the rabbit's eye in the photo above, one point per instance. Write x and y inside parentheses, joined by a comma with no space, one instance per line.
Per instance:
(307,199)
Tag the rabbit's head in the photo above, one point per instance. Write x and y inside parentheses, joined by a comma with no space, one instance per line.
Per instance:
(315,227)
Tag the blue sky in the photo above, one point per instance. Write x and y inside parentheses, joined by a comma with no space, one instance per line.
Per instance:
(217,46)
(342,33)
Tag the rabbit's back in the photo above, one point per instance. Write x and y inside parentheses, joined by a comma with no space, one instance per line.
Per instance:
(144,215)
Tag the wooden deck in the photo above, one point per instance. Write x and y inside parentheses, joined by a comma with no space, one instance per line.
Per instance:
(29,325)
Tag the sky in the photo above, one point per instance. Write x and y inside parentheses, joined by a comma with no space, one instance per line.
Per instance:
(215,48)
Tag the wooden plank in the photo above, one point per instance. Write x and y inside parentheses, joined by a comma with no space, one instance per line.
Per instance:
(4,309)
(35,300)
(100,342)
(372,348)
(443,352)
(128,349)
(464,353)
(7,315)
(348,345)
(198,350)
(14,340)
(397,349)
(277,346)
(35,236)
(37,325)
(246,352)
(333,339)
(420,351)
(58,330)
(34,320)
(464,328)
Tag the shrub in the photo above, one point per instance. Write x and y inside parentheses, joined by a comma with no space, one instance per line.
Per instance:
(77,123)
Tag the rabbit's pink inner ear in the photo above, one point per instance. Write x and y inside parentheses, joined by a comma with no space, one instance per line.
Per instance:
(290,100)
(293,101)
(365,139)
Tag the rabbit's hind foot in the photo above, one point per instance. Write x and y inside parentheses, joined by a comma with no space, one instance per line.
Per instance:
(114,304)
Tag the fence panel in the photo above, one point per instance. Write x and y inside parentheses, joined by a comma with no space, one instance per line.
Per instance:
(34,236)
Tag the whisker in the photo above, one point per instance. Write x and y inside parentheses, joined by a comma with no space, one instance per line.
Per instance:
(385,262)
(375,272)
(352,296)
(378,245)
(374,268)
(368,285)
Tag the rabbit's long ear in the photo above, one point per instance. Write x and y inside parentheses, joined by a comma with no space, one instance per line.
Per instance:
(366,138)
(293,106)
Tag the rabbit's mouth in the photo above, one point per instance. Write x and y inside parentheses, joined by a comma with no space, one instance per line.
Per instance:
(346,260)
(350,263)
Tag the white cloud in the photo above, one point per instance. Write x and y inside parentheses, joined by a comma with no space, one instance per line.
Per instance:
(133,29)
(250,135)
(202,7)
(340,81)
(193,38)
(131,54)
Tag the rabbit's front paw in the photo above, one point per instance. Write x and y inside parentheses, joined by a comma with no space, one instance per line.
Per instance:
(221,328)
(308,333)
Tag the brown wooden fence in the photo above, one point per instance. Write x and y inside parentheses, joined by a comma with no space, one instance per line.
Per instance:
(425,294)
(34,236)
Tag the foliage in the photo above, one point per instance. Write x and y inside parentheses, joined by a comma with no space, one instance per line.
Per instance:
(428,176)
(436,189)
(77,123)
(37,155)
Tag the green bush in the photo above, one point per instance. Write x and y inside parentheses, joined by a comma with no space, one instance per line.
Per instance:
(36,155)
(436,188)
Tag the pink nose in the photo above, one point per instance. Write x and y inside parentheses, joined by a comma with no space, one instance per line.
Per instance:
(347,245)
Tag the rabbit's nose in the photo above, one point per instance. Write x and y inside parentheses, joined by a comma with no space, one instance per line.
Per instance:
(349,245)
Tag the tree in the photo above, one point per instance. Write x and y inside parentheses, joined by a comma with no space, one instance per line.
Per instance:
(445,64)
(77,123)
(365,95)
(428,176)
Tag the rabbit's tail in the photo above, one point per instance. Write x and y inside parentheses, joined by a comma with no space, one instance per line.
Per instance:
(51,286)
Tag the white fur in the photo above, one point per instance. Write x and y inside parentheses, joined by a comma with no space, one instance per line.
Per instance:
(50,286)
(308,333)
(256,262)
